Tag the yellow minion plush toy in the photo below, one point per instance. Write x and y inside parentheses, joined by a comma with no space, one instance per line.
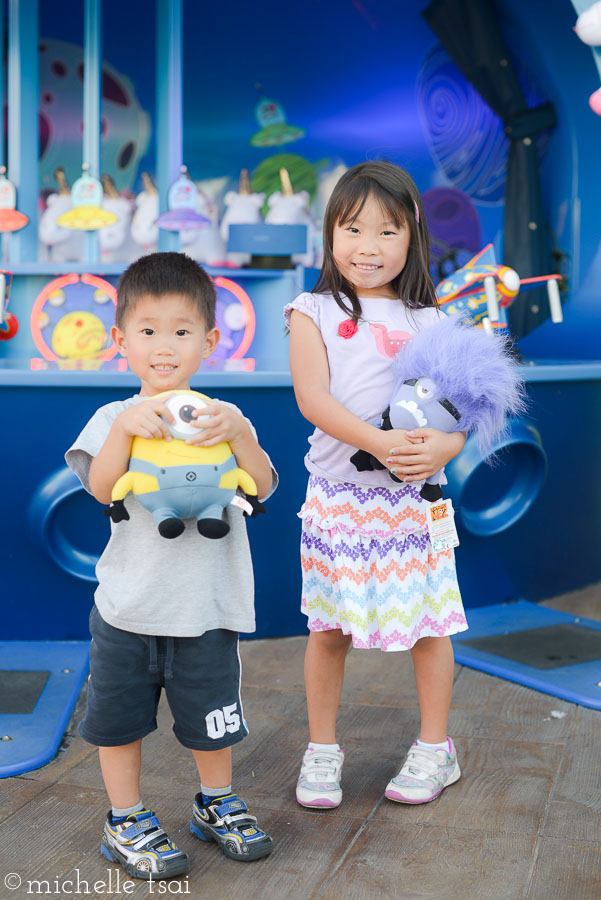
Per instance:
(176,481)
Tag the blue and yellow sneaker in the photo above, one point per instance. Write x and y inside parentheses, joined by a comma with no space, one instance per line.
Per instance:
(142,847)
(228,822)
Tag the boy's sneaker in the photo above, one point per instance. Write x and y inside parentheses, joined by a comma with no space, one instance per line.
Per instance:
(142,847)
(424,775)
(228,822)
(319,780)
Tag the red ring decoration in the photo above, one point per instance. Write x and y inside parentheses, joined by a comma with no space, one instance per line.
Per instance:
(246,302)
(55,285)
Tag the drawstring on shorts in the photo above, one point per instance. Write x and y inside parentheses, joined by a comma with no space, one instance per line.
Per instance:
(153,647)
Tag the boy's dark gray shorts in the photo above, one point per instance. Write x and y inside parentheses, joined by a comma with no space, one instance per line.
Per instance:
(201,677)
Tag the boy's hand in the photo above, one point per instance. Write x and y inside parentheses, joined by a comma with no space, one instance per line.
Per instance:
(423,452)
(144,419)
(224,424)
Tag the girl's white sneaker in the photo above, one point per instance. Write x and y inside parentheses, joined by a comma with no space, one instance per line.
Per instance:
(424,775)
(319,780)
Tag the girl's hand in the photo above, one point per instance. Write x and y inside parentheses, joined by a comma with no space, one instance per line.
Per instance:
(423,452)
(224,424)
(144,419)
(383,442)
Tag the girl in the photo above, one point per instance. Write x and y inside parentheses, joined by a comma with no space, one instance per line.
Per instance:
(370,576)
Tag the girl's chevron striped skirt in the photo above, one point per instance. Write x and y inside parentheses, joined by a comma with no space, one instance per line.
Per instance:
(369,568)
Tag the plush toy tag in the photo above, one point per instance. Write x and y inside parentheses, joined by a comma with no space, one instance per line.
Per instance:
(440,517)
(242,503)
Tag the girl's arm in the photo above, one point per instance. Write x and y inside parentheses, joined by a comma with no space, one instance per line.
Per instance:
(427,451)
(311,380)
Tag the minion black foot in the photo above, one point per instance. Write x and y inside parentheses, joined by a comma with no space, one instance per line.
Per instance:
(171,528)
(212,528)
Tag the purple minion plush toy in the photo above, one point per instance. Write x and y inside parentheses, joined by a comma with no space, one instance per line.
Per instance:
(451,377)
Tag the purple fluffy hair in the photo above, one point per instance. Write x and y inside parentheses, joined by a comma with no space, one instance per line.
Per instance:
(472,369)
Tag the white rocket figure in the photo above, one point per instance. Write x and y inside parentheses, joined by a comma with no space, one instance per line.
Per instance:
(243,208)
(59,244)
(115,240)
(288,208)
(144,231)
(205,245)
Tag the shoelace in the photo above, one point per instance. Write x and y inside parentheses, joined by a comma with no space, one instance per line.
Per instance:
(321,766)
(421,762)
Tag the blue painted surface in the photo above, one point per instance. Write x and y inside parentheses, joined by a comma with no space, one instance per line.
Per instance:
(274,240)
(169,108)
(35,737)
(92,105)
(490,502)
(23,132)
(578,683)
(47,602)
(552,549)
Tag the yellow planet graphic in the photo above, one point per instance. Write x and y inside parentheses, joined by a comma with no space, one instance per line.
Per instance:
(79,335)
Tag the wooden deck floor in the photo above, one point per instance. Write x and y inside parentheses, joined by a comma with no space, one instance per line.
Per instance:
(524,820)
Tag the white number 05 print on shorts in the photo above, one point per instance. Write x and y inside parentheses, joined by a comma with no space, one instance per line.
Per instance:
(221,720)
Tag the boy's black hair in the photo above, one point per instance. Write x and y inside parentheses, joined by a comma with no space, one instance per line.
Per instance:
(397,194)
(158,274)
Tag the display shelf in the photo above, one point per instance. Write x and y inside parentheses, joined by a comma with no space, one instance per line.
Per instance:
(50,268)
(267,289)
(267,373)
(18,373)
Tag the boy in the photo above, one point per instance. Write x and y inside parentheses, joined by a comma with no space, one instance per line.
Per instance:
(167,612)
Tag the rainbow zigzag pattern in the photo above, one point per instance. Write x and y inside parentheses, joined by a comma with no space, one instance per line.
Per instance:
(368,567)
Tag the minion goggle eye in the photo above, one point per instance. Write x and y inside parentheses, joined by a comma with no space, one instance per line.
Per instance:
(182,409)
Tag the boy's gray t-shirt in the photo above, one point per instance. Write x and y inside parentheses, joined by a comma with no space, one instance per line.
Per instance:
(151,585)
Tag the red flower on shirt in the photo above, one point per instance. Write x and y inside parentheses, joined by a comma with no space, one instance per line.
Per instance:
(348,328)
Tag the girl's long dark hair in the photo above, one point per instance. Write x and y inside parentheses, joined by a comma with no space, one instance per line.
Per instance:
(395,191)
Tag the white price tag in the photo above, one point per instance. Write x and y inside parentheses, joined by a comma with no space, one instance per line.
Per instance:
(440,517)
(242,503)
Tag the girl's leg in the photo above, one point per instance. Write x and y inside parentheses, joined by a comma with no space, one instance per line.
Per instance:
(428,770)
(433,662)
(324,672)
(121,773)
(319,780)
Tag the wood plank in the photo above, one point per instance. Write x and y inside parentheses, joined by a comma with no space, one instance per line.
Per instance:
(77,748)
(486,837)
(380,679)
(16,793)
(490,707)
(298,865)
(308,846)
(585,602)
(574,811)
(277,663)
(504,787)
(444,863)
(566,869)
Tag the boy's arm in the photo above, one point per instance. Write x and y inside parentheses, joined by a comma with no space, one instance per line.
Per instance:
(110,464)
(252,458)
(112,460)
(229,425)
